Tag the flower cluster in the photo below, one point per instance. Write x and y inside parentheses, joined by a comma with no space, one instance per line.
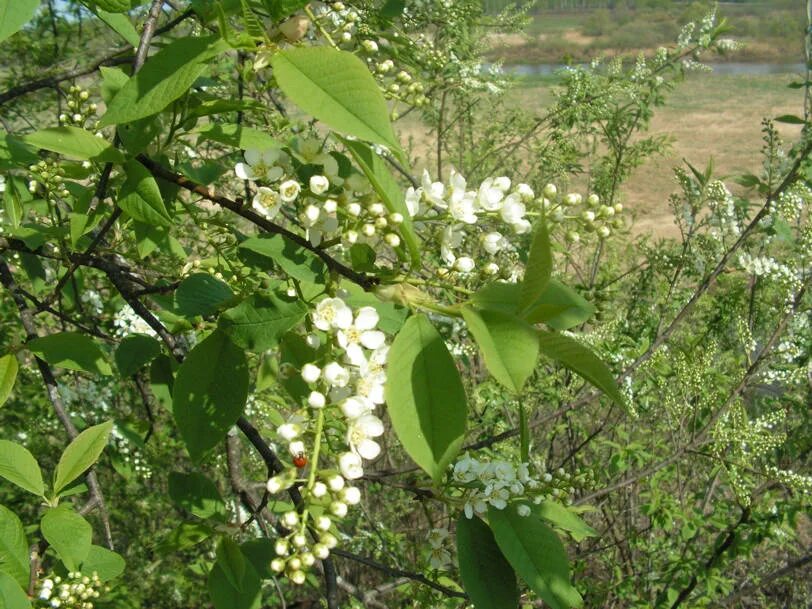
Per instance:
(326,205)
(439,556)
(346,382)
(48,180)
(75,591)
(79,110)
(497,482)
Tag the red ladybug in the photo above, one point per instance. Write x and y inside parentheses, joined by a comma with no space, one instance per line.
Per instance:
(300,460)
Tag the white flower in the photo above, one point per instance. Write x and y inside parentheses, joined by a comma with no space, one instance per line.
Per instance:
(316,399)
(525,192)
(332,313)
(351,466)
(361,333)
(489,196)
(502,183)
(439,558)
(351,495)
(412,201)
(336,375)
(267,202)
(433,191)
(370,46)
(464,264)
(296,448)
(319,184)
(355,406)
(513,209)
(493,242)
(466,469)
(437,537)
(463,209)
(289,430)
(360,434)
(289,190)
(259,165)
(310,373)
(523,510)
(522,226)
(451,239)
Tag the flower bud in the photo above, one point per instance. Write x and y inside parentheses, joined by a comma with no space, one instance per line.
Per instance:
(550,191)
(310,373)
(321,551)
(319,489)
(338,508)
(299,540)
(354,209)
(329,540)
(335,482)
(392,239)
(351,495)
(308,560)
(323,523)
(277,565)
(281,547)
(290,519)
(297,577)
(316,399)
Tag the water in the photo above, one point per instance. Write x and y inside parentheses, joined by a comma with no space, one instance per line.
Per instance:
(726,69)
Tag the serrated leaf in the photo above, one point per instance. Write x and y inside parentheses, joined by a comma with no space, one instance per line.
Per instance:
(201,294)
(81,454)
(537,555)
(581,360)
(68,533)
(336,88)
(209,393)
(238,136)
(537,271)
(140,196)
(105,563)
(8,375)
(71,350)
(509,345)
(165,77)
(196,494)
(486,575)
(75,143)
(425,397)
(134,352)
(13,547)
(564,519)
(259,321)
(18,466)
(296,261)
(12,594)
(14,14)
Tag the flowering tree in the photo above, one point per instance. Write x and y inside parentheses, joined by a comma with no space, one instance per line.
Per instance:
(259,349)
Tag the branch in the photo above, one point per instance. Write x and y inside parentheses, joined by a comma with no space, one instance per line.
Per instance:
(365,281)
(7,279)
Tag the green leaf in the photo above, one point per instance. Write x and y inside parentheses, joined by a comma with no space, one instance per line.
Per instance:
(257,323)
(260,552)
(564,519)
(580,360)
(185,536)
(165,77)
(508,344)
(225,596)
(81,454)
(232,562)
(210,392)
(201,294)
(486,575)
(537,271)
(293,259)
(135,352)
(8,375)
(114,6)
(537,555)
(13,547)
(196,494)
(282,9)
(18,466)
(68,533)
(71,350)
(105,563)
(425,397)
(558,306)
(238,136)
(374,168)
(336,88)
(14,14)
(12,595)
(790,119)
(75,143)
(140,196)
(121,25)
